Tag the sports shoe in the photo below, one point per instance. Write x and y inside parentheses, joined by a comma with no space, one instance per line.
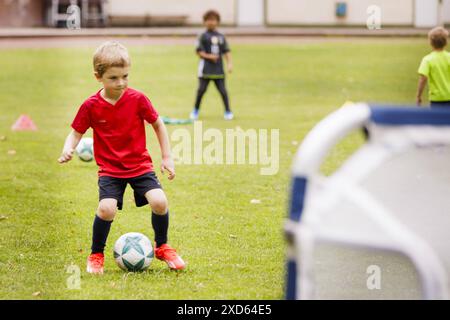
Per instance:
(228,115)
(95,263)
(168,254)
(194,114)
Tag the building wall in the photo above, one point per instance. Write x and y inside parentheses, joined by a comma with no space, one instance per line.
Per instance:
(30,13)
(279,12)
(322,12)
(21,13)
(446,12)
(193,9)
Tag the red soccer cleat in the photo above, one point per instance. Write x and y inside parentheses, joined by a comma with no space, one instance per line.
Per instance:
(169,255)
(95,263)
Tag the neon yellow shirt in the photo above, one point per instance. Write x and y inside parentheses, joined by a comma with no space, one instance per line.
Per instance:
(436,67)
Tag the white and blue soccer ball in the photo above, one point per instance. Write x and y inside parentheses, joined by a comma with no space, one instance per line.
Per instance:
(85,149)
(133,251)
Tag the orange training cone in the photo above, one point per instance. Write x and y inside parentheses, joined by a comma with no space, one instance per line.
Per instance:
(24,123)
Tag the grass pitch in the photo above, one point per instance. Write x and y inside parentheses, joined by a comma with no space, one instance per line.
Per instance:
(234,249)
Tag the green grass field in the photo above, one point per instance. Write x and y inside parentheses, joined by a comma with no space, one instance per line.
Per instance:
(234,249)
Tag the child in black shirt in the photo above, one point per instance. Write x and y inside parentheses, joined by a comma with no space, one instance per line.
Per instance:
(211,46)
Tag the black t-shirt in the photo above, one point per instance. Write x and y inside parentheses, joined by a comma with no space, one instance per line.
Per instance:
(212,42)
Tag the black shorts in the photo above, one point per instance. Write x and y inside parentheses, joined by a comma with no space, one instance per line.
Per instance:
(439,104)
(111,187)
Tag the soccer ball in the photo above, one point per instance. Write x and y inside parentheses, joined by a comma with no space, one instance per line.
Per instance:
(85,149)
(133,252)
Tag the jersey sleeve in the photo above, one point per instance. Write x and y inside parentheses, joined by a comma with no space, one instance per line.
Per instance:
(225,47)
(82,120)
(424,68)
(146,110)
(201,43)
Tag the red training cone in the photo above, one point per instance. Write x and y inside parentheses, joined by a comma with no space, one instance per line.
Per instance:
(24,123)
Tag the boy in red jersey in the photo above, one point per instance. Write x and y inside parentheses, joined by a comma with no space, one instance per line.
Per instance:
(116,114)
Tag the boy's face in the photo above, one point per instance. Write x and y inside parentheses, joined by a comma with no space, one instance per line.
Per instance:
(114,80)
(211,23)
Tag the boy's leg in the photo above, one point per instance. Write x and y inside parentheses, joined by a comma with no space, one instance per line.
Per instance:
(102,224)
(110,198)
(202,86)
(220,85)
(160,215)
(107,209)
(160,222)
(147,190)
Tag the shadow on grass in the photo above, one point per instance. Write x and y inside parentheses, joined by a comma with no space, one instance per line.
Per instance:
(162,271)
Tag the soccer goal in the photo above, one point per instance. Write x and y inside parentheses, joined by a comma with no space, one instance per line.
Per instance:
(379,226)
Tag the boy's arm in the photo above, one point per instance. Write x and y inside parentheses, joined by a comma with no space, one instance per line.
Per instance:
(201,50)
(229,61)
(71,143)
(420,88)
(163,139)
(208,56)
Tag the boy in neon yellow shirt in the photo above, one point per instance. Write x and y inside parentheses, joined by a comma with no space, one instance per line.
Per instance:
(435,69)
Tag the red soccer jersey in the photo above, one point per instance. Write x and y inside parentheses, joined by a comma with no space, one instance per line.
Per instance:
(119,132)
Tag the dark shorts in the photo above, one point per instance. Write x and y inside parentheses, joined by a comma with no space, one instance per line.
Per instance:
(111,187)
(439,104)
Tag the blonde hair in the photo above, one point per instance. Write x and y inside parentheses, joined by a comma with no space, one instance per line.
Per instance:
(438,37)
(110,54)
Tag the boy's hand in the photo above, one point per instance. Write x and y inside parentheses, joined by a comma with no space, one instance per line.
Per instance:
(66,156)
(230,67)
(214,57)
(167,164)
(419,101)
(209,56)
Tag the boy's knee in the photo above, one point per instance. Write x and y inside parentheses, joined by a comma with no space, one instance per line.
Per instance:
(158,201)
(106,211)
(159,206)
